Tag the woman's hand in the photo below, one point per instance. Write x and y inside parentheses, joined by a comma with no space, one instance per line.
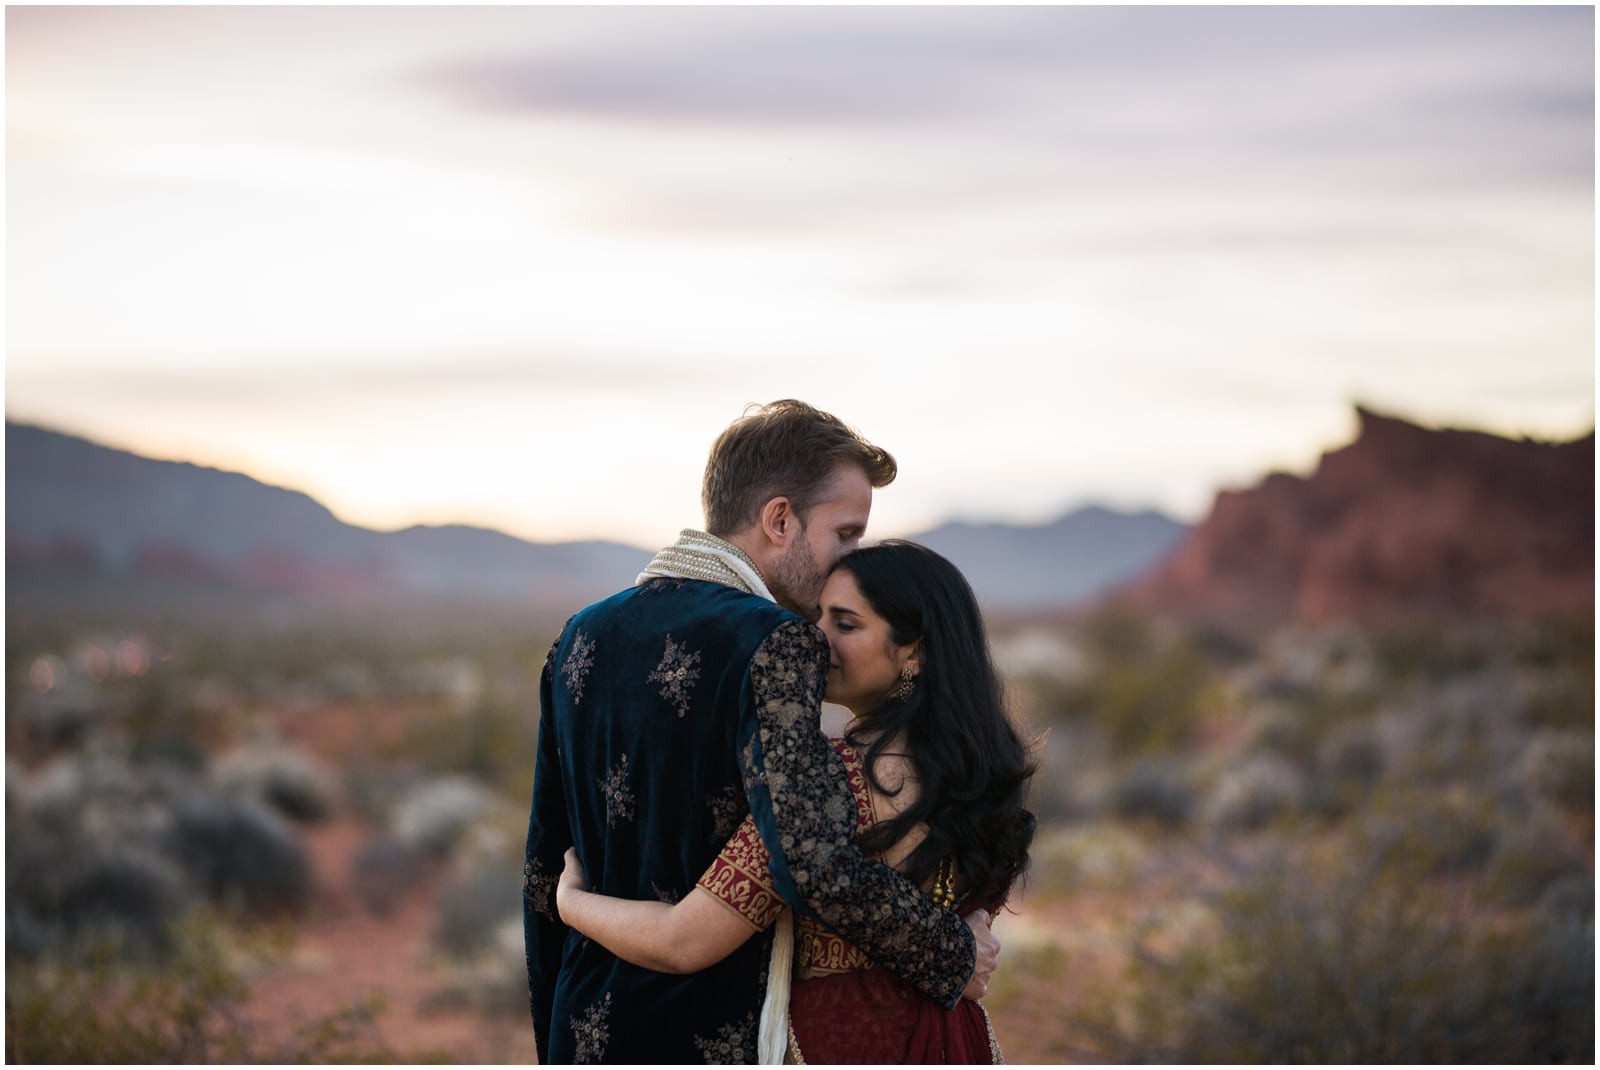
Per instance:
(572,879)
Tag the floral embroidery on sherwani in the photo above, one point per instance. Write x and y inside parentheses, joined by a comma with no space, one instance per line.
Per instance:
(580,659)
(591,1032)
(677,673)
(619,799)
(734,1043)
(537,886)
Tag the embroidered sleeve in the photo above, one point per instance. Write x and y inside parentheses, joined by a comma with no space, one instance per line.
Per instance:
(740,879)
(796,785)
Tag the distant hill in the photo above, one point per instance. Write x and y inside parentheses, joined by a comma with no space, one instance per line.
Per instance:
(73,506)
(1405,523)
(1063,563)
(107,519)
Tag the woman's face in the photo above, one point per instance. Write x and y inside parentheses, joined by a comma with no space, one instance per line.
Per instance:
(865,661)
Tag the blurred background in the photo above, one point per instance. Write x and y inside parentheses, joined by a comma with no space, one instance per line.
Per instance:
(1243,358)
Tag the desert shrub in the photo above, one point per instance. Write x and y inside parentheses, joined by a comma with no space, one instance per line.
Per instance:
(1554,995)
(1220,645)
(1529,857)
(162,719)
(1155,789)
(1438,833)
(1260,790)
(1570,898)
(96,1006)
(1348,763)
(63,894)
(433,816)
(373,790)
(184,752)
(1467,731)
(62,719)
(95,1009)
(1431,653)
(1559,765)
(241,855)
(492,741)
(1556,642)
(474,905)
(1075,774)
(384,871)
(1355,960)
(1068,861)
(101,795)
(1146,689)
(1027,987)
(85,860)
(1564,701)
(290,781)
(98,842)
(1278,727)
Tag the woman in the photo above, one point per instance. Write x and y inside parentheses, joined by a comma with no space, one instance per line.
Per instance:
(939,775)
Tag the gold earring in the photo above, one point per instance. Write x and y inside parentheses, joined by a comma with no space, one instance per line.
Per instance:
(907,684)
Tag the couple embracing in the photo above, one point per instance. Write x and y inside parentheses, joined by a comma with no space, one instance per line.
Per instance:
(708,878)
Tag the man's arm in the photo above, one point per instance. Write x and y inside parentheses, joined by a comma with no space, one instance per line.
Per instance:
(795,783)
(549,836)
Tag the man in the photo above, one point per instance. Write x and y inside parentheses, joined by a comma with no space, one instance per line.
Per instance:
(673,708)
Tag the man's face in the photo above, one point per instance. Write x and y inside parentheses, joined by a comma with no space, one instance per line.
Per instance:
(832,529)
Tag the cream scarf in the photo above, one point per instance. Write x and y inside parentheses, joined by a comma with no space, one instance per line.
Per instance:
(699,556)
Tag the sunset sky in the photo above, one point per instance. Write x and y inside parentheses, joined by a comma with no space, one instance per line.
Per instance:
(519,266)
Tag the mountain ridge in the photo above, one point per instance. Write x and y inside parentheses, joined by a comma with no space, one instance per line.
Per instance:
(75,504)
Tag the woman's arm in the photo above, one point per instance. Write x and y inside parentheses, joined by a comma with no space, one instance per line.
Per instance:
(682,937)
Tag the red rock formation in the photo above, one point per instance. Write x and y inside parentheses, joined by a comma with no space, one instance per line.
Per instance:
(1405,523)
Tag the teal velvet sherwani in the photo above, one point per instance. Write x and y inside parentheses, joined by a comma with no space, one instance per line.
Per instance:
(668,712)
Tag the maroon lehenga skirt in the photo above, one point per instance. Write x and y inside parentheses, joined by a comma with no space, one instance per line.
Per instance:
(871,1016)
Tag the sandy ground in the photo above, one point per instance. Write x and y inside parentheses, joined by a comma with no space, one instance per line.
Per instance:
(342,955)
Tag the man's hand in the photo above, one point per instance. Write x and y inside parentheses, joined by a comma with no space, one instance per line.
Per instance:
(987,947)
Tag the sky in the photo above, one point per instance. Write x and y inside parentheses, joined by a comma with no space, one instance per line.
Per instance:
(519,266)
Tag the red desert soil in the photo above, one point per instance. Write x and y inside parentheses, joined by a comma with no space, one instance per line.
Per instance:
(342,955)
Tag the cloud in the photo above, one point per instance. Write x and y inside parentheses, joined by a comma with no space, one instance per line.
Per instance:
(335,381)
(806,121)
(860,66)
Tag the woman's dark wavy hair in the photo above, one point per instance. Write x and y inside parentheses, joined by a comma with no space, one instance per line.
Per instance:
(973,766)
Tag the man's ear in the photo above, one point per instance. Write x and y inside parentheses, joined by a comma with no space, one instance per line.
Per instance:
(779,521)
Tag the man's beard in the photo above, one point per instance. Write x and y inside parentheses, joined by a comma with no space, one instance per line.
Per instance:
(796,582)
